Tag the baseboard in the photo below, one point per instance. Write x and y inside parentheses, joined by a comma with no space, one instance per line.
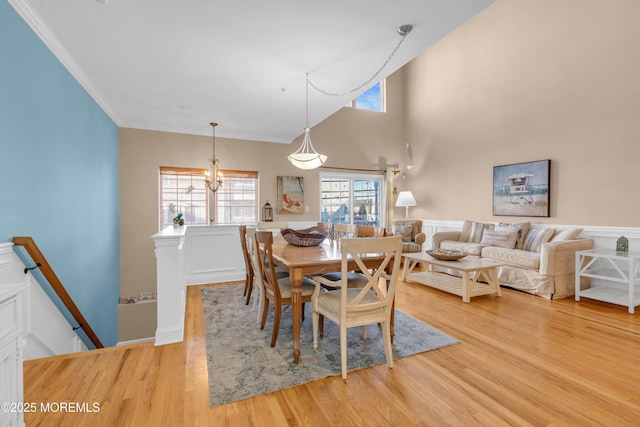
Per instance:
(138,341)
(169,335)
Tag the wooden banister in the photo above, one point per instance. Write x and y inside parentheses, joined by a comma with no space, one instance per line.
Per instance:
(34,252)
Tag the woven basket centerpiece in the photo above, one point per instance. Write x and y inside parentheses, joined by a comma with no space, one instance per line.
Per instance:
(307,237)
(446,255)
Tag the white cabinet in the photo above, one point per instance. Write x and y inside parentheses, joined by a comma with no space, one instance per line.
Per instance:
(614,278)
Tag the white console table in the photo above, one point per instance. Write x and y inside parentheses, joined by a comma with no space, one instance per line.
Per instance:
(616,277)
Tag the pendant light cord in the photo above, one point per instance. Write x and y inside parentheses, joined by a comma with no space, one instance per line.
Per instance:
(404,30)
(307,98)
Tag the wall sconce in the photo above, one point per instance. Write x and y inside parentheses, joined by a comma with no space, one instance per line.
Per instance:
(410,154)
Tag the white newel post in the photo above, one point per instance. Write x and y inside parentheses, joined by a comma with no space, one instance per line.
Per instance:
(171,285)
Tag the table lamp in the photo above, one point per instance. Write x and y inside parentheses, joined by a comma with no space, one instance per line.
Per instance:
(406,199)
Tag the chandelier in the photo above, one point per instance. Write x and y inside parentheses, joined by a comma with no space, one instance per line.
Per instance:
(213,180)
(306,157)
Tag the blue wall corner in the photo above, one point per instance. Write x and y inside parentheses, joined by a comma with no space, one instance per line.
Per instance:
(59,173)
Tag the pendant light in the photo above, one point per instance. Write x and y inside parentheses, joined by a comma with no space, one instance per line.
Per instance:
(306,157)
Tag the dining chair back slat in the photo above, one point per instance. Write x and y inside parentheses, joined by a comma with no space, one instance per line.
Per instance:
(248,281)
(252,246)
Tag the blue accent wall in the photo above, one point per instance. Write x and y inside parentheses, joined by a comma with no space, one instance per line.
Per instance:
(59,173)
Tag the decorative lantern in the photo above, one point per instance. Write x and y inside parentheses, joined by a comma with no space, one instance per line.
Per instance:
(622,246)
(267,212)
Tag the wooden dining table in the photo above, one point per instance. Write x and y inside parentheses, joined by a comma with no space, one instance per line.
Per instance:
(302,261)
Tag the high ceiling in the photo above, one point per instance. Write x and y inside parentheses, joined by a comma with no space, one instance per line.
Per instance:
(176,65)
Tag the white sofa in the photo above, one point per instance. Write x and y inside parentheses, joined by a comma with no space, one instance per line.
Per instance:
(537,260)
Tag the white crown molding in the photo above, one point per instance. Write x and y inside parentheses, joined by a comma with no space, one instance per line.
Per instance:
(31,17)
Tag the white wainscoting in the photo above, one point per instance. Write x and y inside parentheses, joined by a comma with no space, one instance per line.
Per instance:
(11,332)
(46,331)
(193,255)
(604,237)
(31,326)
(212,254)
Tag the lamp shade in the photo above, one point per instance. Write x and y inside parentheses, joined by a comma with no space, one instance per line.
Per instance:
(307,157)
(405,198)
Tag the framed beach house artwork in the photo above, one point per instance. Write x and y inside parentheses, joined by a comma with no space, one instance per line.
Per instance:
(521,189)
(290,195)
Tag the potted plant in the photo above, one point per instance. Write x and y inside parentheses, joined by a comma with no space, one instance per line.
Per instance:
(178,220)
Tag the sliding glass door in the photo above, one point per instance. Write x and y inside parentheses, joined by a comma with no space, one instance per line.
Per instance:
(352,198)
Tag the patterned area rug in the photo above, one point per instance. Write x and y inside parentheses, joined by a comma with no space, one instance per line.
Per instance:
(242,364)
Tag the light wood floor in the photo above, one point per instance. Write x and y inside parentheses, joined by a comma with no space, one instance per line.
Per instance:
(522,361)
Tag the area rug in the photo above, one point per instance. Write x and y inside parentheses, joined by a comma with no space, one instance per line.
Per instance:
(242,364)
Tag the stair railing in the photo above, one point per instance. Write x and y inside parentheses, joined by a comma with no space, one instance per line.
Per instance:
(41,262)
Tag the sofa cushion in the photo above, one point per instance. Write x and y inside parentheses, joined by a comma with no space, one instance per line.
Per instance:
(504,237)
(404,229)
(517,257)
(472,231)
(566,234)
(411,247)
(466,231)
(536,237)
(523,229)
(466,247)
(477,230)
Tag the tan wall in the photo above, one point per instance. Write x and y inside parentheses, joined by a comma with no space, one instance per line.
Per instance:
(350,138)
(524,81)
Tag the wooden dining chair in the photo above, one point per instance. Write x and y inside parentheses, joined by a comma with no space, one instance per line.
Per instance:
(351,307)
(252,248)
(370,231)
(278,291)
(248,281)
(257,276)
(328,226)
(345,230)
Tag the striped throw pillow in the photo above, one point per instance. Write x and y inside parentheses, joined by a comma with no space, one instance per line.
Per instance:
(536,237)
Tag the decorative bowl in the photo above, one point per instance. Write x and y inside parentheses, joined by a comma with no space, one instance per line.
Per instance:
(446,255)
(307,237)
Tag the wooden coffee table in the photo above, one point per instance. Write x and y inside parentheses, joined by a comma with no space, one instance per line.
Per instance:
(474,272)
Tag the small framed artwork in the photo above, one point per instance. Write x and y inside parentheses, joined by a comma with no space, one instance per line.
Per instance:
(290,195)
(522,189)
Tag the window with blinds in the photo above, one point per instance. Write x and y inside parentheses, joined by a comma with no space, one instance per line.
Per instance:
(237,199)
(182,191)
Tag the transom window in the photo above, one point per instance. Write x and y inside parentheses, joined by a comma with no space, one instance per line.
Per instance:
(372,99)
(237,199)
(182,191)
(352,198)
